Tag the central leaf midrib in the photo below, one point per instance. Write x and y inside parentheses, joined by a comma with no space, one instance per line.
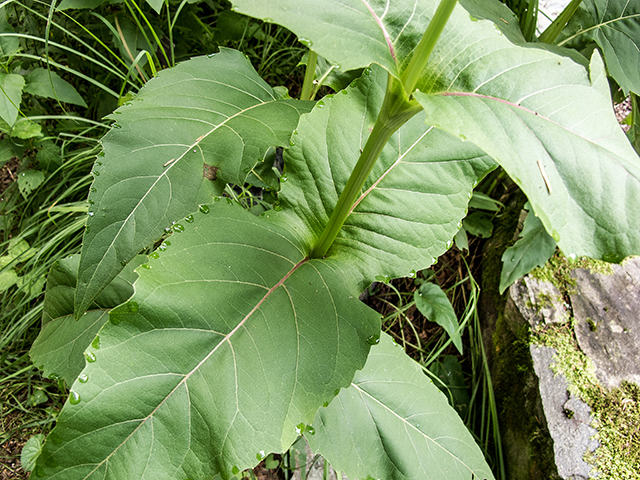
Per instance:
(195,369)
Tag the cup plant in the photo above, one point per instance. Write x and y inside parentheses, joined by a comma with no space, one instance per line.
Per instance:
(238,333)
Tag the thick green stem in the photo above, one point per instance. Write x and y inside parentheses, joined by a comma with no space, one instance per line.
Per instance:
(427,44)
(395,111)
(309,75)
(553,30)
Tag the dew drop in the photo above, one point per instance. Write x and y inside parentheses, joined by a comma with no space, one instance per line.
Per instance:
(83,378)
(89,357)
(277,207)
(154,255)
(96,343)
(216,199)
(283,178)
(367,71)
(449,243)
(320,104)
(229,201)
(167,243)
(235,470)
(311,430)
(91,214)
(162,247)
(306,42)
(93,190)
(373,339)
(96,174)
(101,154)
(325,404)
(133,307)
(188,219)
(204,209)
(261,455)
(292,143)
(144,265)
(90,202)
(123,263)
(98,163)
(54,376)
(178,228)
(168,230)
(74,398)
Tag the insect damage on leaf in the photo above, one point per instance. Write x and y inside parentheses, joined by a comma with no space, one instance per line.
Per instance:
(210,172)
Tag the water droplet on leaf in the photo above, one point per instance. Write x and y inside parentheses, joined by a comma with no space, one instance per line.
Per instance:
(83,378)
(89,357)
(261,455)
(96,343)
(188,219)
(178,228)
(306,42)
(154,255)
(311,430)
(74,398)
(204,209)
(373,339)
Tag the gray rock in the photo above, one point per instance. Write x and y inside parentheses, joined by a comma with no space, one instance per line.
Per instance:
(568,418)
(539,302)
(607,313)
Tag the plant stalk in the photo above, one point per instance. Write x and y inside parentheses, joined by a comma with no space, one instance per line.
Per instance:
(395,111)
(552,31)
(309,75)
(427,44)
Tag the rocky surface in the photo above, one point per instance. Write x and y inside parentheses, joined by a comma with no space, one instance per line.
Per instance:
(607,313)
(600,313)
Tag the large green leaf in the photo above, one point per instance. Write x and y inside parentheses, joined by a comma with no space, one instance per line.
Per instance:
(214,110)
(615,26)
(351,33)
(434,304)
(232,338)
(394,423)
(413,201)
(556,135)
(59,348)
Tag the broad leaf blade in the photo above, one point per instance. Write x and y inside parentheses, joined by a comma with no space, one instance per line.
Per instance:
(207,110)
(393,422)
(532,250)
(413,201)
(434,304)
(232,338)
(58,350)
(351,33)
(615,26)
(552,130)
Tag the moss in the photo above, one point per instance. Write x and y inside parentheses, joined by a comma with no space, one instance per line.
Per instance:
(557,270)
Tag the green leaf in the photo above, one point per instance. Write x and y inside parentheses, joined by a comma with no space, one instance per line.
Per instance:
(498,13)
(6,151)
(29,180)
(31,451)
(351,33)
(49,156)
(66,4)
(25,129)
(59,348)
(232,338)
(452,384)
(532,250)
(478,224)
(394,423)
(9,45)
(551,129)
(434,304)
(422,179)
(47,84)
(614,25)
(484,202)
(11,86)
(209,109)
